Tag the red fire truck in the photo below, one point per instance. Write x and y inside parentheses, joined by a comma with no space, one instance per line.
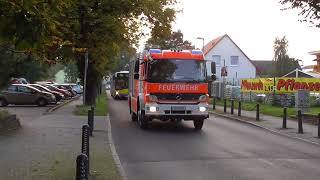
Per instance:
(169,85)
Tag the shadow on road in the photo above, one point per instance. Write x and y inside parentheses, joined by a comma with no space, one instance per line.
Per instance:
(157,126)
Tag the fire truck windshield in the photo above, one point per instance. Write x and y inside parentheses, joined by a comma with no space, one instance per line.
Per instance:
(176,70)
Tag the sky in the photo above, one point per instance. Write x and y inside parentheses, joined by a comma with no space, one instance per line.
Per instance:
(252,24)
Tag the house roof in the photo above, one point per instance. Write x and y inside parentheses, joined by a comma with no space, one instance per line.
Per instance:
(314,52)
(302,74)
(264,67)
(209,46)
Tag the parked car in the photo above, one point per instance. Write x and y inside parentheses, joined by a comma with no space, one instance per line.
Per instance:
(66,93)
(66,87)
(77,88)
(18,81)
(22,94)
(59,96)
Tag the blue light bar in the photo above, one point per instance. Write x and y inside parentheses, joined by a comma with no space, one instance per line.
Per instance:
(196,52)
(155,51)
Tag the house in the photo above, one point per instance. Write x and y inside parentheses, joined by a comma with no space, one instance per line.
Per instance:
(226,53)
(265,68)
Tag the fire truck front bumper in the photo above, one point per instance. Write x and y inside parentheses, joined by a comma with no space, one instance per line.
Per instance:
(177,111)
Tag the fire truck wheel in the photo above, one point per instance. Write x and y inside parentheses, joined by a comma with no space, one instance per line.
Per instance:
(142,121)
(134,116)
(198,124)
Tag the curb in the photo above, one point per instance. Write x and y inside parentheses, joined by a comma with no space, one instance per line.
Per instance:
(50,110)
(264,128)
(114,153)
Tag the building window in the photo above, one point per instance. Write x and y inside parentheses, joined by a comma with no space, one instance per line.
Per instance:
(234,60)
(217,59)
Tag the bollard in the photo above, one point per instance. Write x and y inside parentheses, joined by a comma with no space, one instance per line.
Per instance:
(284,122)
(258,112)
(319,125)
(85,145)
(232,106)
(239,108)
(300,128)
(82,172)
(225,105)
(213,103)
(90,122)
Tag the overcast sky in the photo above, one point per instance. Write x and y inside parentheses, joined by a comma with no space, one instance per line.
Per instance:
(252,24)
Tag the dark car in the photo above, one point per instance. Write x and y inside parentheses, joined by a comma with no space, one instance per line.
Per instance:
(22,94)
(59,96)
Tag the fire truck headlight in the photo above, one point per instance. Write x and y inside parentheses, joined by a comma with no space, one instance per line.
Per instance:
(153,109)
(202,109)
(117,93)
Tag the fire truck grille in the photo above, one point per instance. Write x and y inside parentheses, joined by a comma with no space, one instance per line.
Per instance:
(174,96)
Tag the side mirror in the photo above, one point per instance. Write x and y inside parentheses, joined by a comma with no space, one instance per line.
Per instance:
(213,77)
(213,67)
(136,76)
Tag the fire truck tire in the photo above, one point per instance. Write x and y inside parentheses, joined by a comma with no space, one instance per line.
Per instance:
(198,124)
(142,121)
(134,116)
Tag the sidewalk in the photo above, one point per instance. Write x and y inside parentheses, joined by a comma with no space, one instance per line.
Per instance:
(272,123)
(47,147)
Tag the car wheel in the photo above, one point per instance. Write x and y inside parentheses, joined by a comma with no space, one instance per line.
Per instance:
(142,121)
(42,102)
(198,124)
(3,103)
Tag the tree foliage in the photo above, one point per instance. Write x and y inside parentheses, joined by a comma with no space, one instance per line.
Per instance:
(60,30)
(20,66)
(309,9)
(283,64)
(173,40)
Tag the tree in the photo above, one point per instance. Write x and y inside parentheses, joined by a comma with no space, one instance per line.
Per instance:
(61,30)
(102,27)
(71,72)
(20,65)
(282,62)
(309,9)
(171,41)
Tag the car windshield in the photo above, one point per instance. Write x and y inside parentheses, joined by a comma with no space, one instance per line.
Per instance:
(176,70)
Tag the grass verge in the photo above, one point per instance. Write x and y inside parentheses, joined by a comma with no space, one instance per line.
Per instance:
(101,108)
(267,109)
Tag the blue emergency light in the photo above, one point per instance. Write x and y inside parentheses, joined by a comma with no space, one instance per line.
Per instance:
(196,52)
(155,51)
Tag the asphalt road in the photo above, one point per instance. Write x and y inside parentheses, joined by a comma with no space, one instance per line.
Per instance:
(223,150)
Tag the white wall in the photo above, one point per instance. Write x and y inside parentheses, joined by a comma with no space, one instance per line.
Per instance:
(226,48)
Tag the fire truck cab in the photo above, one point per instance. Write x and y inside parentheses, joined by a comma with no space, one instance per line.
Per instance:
(170,85)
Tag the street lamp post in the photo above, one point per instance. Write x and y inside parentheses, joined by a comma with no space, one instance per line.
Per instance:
(201,38)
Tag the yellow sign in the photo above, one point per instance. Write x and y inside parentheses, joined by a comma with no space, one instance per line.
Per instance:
(259,85)
(290,85)
(282,85)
